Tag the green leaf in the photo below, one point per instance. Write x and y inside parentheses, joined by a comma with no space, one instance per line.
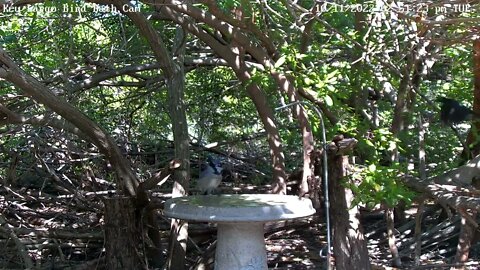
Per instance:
(320,85)
(280,61)
(332,75)
(307,81)
(328,101)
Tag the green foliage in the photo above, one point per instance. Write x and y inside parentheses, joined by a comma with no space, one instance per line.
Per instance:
(379,143)
(379,183)
(218,106)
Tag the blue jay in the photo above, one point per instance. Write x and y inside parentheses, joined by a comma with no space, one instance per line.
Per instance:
(210,176)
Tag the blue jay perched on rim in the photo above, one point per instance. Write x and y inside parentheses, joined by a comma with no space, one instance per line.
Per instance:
(210,176)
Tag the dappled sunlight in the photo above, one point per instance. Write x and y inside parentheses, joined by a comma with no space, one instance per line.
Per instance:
(295,248)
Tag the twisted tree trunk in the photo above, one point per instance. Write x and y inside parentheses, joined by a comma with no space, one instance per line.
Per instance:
(349,245)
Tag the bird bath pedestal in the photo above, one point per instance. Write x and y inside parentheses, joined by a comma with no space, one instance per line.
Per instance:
(240,219)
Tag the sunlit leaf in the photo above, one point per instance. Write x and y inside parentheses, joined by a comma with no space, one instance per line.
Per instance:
(328,101)
(280,61)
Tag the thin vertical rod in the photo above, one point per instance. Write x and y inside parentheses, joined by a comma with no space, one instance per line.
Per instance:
(325,171)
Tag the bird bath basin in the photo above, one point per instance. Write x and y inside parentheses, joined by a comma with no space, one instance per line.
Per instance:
(240,219)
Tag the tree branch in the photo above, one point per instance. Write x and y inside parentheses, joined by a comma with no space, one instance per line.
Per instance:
(236,33)
(32,87)
(453,187)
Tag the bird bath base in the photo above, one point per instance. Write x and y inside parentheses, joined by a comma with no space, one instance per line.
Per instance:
(240,246)
(240,219)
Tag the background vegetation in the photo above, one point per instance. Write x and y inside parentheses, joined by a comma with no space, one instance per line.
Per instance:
(373,74)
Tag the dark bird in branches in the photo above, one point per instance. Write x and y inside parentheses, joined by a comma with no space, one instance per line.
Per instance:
(452,112)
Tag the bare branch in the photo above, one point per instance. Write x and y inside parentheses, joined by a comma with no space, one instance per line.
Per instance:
(32,87)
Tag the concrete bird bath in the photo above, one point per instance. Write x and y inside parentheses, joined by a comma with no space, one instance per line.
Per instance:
(240,219)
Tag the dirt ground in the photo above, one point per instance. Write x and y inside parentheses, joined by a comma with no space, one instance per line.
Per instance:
(67,233)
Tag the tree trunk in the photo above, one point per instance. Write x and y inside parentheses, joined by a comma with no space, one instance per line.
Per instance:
(472,136)
(264,111)
(286,85)
(173,70)
(349,245)
(392,243)
(273,136)
(122,236)
(421,205)
(181,177)
(360,93)
(467,230)
(401,102)
(418,231)
(405,100)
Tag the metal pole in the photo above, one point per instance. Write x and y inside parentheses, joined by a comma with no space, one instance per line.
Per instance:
(325,172)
